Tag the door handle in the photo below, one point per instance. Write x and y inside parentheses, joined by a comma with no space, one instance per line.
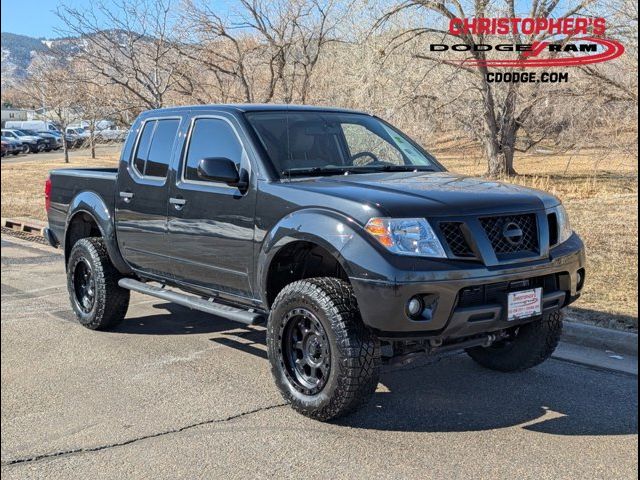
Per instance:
(126,196)
(177,203)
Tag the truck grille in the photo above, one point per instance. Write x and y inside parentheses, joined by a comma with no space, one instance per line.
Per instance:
(455,239)
(480,295)
(512,233)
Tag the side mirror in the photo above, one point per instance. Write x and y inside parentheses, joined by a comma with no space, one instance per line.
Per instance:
(219,170)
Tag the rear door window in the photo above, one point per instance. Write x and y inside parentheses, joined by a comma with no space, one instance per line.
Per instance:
(155,146)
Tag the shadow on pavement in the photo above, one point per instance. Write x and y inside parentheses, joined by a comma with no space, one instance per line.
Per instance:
(455,394)
(173,319)
(451,393)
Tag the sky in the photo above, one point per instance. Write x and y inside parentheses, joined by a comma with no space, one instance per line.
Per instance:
(35,18)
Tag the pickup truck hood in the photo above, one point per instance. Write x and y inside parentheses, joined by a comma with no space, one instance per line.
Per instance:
(428,193)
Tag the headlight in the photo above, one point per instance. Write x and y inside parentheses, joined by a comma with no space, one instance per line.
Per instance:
(406,236)
(564,227)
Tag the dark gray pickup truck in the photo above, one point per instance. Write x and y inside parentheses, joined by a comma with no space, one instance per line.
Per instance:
(353,244)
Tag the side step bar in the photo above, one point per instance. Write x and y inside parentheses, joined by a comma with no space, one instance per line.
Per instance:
(193,302)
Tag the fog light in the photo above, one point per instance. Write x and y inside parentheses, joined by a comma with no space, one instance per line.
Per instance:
(414,307)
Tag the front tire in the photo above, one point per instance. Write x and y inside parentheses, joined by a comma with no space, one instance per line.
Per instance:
(528,345)
(324,360)
(92,281)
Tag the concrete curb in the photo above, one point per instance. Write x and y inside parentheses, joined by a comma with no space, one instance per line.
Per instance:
(33,227)
(601,338)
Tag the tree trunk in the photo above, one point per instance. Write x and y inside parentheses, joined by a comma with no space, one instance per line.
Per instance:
(495,162)
(499,131)
(509,129)
(65,149)
(92,143)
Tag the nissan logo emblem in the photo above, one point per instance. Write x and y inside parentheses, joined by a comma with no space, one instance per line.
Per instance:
(512,233)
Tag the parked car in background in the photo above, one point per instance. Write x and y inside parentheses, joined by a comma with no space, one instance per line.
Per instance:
(81,134)
(79,131)
(35,125)
(4,148)
(52,142)
(106,125)
(34,143)
(72,140)
(14,146)
(84,124)
(111,135)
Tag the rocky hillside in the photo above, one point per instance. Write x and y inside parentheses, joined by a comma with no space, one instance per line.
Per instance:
(17,53)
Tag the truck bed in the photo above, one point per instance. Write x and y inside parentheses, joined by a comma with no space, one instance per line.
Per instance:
(67,183)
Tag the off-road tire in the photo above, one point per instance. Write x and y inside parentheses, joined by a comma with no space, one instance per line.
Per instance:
(111,301)
(533,344)
(354,349)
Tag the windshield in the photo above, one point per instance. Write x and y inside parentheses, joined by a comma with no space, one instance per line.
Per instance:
(328,143)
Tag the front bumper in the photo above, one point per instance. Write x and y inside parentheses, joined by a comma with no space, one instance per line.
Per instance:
(383,304)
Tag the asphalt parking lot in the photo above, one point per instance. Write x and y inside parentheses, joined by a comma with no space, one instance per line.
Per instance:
(179,394)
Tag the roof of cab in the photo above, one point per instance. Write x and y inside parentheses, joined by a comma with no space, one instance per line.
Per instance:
(250,107)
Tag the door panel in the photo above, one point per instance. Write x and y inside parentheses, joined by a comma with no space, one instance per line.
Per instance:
(211,225)
(141,199)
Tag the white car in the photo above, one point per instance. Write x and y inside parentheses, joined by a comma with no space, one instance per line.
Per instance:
(112,134)
(79,132)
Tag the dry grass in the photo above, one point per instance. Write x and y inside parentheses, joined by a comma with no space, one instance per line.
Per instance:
(599,188)
(23,183)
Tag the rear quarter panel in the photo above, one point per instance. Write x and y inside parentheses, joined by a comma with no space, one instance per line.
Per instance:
(84,190)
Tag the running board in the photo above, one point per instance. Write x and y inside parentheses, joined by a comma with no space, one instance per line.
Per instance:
(195,303)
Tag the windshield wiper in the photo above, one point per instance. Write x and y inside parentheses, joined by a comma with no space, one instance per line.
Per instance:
(350,169)
(401,168)
(300,171)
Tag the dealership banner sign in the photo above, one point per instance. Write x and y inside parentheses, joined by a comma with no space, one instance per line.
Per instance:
(565,42)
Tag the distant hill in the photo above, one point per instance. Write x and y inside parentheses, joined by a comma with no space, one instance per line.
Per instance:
(18,52)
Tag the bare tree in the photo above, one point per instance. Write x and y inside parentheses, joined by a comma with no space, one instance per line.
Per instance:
(55,85)
(504,111)
(265,50)
(129,43)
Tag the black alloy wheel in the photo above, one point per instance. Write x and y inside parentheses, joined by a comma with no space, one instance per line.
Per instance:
(305,351)
(84,285)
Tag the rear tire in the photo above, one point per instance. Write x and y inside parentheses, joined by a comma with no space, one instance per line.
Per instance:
(92,281)
(324,360)
(532,344)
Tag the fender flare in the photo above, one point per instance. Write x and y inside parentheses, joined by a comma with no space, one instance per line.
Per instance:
(90,203)
(328,229)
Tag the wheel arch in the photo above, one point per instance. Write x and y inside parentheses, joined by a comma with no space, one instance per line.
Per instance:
(303,235)
(88,215)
